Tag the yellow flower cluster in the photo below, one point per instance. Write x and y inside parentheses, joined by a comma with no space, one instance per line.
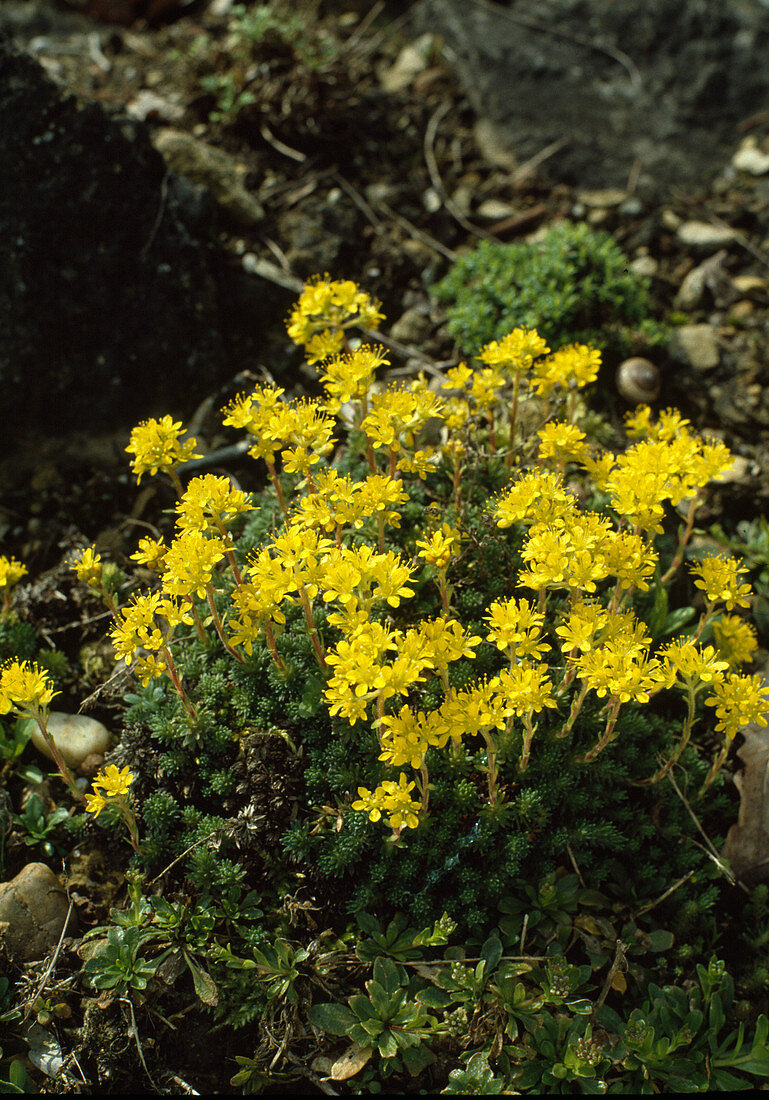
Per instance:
(326,308)
(575,633)
(110,784)
(24,688)
(11,572)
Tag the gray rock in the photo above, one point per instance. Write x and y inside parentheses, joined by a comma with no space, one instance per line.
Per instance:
(710,275)
(213,169)
(33,911)
(76,736)
(695,345)
(660,82)
(111,290)
(704,237)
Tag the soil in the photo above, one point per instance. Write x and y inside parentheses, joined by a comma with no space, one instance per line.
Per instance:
(367,180)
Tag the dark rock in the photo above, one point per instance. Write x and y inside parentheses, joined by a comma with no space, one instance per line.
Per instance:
(657,81)
(114,304)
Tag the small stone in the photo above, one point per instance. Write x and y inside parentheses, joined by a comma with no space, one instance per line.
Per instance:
(645,265)
(695,345)
(411,327)
(494,209)
(212,168)
(33,911)
(742,309)
(749,284)
(493,144)
(604,197)
(76,736)
(670,219)
(704,237)
(710,275)
(147,103)
(410,62)
(749,158)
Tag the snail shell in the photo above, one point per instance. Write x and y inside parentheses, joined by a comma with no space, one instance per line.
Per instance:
(638,381)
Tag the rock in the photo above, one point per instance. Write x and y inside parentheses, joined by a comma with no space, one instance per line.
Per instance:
(213,169)
(657,83)
(111,288)
(645,265)
(411,61)
(493,144)
(494,209)
(696,346)
(742,309)
(76,736)
(146,104)
(33,912)
(603,197)
(704,237)
(412,327)
(749,284)
(710,275)
(749,158)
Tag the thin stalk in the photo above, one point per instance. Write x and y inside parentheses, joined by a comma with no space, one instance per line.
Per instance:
(220,628)
(312,629)
(491,752)
(683,538)
(576,707)
(276,483)
(715,768)
(528,735)
(513,418)
(607,735)
(272,645)
(175,679)
(58,759)
(683,742)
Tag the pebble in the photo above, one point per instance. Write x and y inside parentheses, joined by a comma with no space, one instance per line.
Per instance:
(493,144)
(412,326)
(605,196)
(210,167)
(710,274)
(695,345)
(742,309)
(704,237)
(749,158)
(645,265)
(76,736)
(495,208)
(410,62)
(33,911)
(749,284)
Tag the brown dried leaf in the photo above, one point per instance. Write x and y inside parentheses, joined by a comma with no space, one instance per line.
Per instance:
(352,1061)
(747,843)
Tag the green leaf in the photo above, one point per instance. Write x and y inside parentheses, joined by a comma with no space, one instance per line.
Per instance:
(331,1017)
(205,986)
(678,618)
(417,1059)
(379,999)
(387,974)
(491,952)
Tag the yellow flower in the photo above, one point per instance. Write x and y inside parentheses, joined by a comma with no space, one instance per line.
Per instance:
(151,553)
(190,563)
(574,366)
(437,548)
(24,687)
(11,572)
(523,688)
(516,625)
(692,664)
(326,307)
(562,443)
(739,700)
(157,445)
(516,352)
(719,578)
(114,781)
(390,798)
(349,377)
(88,567)
(736,639)
(95,802)
(210,503)
(582,624)
(535,498)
